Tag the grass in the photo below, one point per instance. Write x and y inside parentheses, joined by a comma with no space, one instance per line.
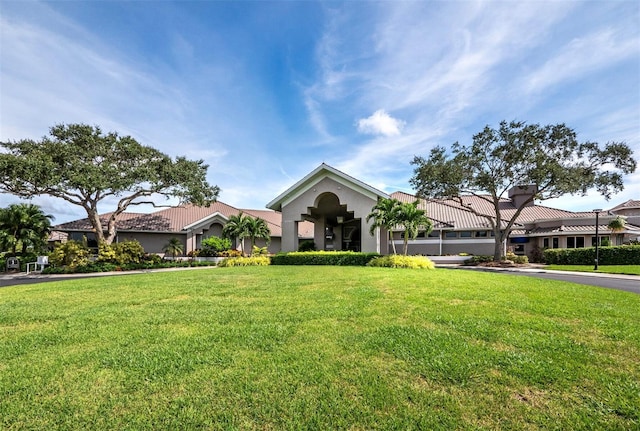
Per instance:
(318,348)
(607,269)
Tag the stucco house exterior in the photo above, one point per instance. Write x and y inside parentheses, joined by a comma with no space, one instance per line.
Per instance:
(330,207)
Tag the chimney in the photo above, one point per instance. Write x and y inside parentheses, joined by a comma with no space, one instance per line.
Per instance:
(519,194)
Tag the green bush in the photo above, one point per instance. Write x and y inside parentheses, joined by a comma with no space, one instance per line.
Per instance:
(121,253)
(336,258)
(128,252)
(245,261)
(400,261)
(70,254)
(480,258)
(618,255)
(307,245)
(517,258)
(213,246)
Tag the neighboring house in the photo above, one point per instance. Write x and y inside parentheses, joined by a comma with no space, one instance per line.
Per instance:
(330,208)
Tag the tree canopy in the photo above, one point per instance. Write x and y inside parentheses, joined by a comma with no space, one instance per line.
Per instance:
(84,166)
(518,154)
(25,226)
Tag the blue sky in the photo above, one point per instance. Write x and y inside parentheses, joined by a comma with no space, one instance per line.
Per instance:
(266,91)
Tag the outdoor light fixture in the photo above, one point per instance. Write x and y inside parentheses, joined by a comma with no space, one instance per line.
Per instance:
(597,211)
(340,219)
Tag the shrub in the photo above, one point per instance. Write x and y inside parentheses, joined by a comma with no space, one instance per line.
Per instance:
(480,258)
(259,251)
(337,258)
(245,261)
(400,261)
(70,253)
(106,253)
(128,252)
(307,245)
(121,253)
(213,246)
(517,258)
(619,255)
(230,253)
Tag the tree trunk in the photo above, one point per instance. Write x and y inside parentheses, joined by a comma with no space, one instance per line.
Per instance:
(393,243)
(94,219)
(497,245)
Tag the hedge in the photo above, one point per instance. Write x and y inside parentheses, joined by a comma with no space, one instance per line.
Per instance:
(401,261)
(618,255)
(336,258)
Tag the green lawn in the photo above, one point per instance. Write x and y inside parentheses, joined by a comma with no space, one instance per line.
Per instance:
(318,348)
(607,269)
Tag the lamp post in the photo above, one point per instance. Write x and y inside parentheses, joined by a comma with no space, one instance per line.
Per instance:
(597,211)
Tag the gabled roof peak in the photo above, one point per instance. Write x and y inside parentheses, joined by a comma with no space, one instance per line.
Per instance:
(312,177)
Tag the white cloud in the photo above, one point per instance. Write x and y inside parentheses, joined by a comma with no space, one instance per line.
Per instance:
(380,123)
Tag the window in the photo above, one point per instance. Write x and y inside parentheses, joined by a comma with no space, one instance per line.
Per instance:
(575,242)
(482,234)
(545,243)
(434,234)
(465,234)
(555,242)
(451,234)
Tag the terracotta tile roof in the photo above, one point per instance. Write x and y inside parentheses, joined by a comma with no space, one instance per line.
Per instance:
(631,203)
(175,219)
(446,210)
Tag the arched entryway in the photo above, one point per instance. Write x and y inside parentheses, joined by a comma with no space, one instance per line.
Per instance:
(337,204)
(336,228)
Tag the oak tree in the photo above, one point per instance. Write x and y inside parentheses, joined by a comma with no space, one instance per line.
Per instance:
(549,159)
(84,166)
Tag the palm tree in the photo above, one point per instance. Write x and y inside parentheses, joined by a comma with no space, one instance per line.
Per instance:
(412,219)
(385,215)
(257,228)
(616,225)
(24,224)
(237,227)
(174,247)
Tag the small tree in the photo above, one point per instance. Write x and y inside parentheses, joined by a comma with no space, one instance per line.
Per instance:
(547,158)
(83,166)
(616,225)
(385,215)
(412,219)
(174,247)
(237,227)
(257,228)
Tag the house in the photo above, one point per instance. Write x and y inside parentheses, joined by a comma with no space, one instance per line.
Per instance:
(189,223)
(330,207)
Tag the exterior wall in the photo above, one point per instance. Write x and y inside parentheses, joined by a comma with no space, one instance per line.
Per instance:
(152,242)
(356,202)
(431,246)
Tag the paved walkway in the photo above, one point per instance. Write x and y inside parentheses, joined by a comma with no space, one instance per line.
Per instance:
(36,277)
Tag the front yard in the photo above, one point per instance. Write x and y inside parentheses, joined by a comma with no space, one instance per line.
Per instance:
(318,348)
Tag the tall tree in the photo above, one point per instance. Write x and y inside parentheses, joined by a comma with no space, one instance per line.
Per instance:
(413,220)
(257,228)
(83,166)
(24,225)
(548,158)
(385,215)
(237,228)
